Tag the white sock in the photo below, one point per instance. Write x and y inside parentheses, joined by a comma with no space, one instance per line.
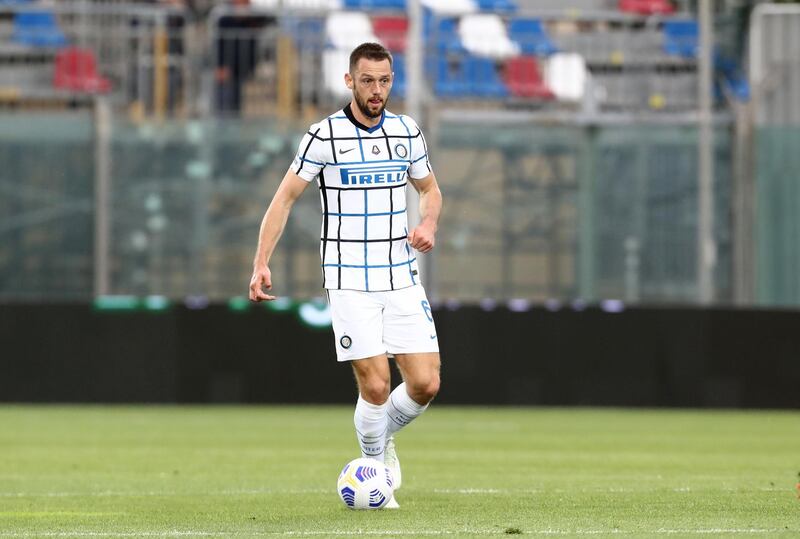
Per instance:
(370,420)
(401,410)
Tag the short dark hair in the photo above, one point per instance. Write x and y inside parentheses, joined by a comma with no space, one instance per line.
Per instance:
(370,51)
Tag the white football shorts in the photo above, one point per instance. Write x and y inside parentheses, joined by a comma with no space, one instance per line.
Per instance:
(367,324)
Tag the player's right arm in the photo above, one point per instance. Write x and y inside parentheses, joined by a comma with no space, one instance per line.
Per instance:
(290,189)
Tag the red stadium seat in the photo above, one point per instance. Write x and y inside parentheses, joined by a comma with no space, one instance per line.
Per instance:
(647,7)
(392,31)
(76,70)
(524,79)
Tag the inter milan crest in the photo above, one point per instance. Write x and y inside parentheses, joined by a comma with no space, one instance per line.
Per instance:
(401,151)
(375,150)
(346,342)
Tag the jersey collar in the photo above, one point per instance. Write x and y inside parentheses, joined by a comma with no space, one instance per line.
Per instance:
(349,113)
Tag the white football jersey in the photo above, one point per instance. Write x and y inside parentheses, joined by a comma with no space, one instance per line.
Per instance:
(362,175)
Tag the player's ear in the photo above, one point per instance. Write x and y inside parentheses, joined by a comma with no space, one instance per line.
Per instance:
(348,80)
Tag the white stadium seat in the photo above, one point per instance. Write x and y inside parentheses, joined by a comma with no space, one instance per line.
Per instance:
(450,7)
(486,35)
(349,29)
(335,64)
(566,75)
(317,5)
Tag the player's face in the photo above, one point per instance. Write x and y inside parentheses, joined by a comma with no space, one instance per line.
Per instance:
(372,82)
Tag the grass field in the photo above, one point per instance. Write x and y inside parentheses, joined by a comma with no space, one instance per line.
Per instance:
(271,472)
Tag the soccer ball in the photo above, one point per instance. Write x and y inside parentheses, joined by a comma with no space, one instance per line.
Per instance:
(365,484)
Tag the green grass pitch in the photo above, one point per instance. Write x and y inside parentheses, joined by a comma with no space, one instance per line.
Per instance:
(153,471)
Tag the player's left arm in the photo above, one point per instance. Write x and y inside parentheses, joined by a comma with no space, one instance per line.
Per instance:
(423,236)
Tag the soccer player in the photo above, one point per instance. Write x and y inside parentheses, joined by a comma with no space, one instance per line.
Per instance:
(363,157)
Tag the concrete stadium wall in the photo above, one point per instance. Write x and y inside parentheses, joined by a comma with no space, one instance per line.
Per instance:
(639,357)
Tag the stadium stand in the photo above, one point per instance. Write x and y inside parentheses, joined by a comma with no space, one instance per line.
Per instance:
(473,50)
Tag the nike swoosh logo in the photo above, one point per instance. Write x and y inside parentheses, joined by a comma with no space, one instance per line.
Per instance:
(433,337)
(341,151)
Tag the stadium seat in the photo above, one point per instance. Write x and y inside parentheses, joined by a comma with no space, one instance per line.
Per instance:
(497,6)
(399,67)
(76,71)
(466,76)
(375,4)
(308,32)
(531,37)
(646,7)
(450,7)
(315,5)
(348,29)
(37,29)
(485,35)
(566,75)
(443,34)
(335,63)
(448,75)
(681,38)
(483,78)
(732,77)
(524,78)
(392,32)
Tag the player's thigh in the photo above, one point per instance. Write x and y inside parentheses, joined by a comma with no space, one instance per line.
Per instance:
(408,326)
(357,320)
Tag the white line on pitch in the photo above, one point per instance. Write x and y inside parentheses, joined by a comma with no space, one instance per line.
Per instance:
(466,531)
(466,491)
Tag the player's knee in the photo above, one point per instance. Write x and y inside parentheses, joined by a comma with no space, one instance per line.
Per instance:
(375,390)
(432,389)
(423,391)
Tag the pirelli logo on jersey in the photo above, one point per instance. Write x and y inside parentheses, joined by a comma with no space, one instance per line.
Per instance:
(374,175)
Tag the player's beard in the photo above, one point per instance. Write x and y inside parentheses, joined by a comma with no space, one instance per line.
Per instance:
(363,106)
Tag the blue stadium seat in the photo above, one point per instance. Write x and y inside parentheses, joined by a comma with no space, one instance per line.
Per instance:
(466,76)
(444,33)
(399,67)
(483,78)
(498,6)
(732,77)
(531,36)
(681,38)
(37,29)
(375,4)
(308,33)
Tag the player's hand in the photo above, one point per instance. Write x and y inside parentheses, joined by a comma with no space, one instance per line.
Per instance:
(422,238)
(261,279)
